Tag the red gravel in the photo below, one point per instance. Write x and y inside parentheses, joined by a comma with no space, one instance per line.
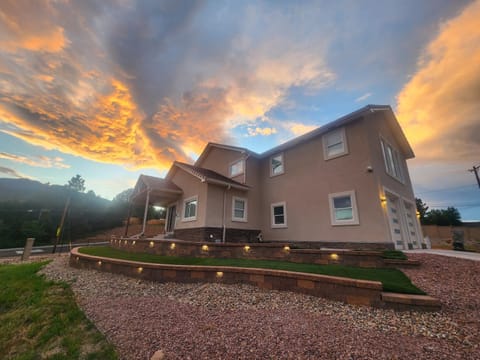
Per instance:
(212,321)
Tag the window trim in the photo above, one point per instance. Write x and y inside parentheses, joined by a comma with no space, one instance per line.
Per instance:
(245,209)
(395,158)
(281,154)
(185,201)
(344,141)
(353,199)
(234,163)
(272,216)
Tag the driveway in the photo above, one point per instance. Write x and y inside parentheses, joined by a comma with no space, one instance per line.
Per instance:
(452,253)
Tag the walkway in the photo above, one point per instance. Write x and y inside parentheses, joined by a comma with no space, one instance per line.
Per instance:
(458,254)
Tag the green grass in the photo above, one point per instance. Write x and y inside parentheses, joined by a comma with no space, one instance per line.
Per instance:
(394,254)
(39,319)
(392,279)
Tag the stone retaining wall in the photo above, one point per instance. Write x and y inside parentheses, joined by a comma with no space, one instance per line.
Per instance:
(264,251)
(350,291)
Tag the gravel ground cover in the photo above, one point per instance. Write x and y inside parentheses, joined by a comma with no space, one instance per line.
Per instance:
(214,321)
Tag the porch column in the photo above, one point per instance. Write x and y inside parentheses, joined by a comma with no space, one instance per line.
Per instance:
(145,213)
(128,219)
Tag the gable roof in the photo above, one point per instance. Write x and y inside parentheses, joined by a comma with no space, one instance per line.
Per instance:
(211,145)
(155,183)
(349,118)
(207,175)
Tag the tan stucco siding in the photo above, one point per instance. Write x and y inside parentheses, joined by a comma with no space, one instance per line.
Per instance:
(219,160)
(191,186)
(306,184)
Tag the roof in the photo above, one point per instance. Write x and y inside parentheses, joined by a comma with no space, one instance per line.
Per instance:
(354,116)
(211,145)
(155,183)
(207,175)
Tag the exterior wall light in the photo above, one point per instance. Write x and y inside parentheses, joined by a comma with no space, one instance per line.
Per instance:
(219,274)
(204,247)
(383,199)
(246,248)
(172,246)
(334,256)
(418,214)
(152,244)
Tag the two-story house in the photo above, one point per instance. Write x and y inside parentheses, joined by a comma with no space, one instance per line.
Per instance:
(345,184)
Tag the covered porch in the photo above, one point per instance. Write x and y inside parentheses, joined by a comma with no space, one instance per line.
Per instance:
(153,191)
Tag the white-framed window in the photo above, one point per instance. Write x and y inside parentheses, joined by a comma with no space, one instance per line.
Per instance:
(343,208)
(392,158)
(277,165)
(237,168)
(334,144)
(190,206)
(239,209)
(279,214)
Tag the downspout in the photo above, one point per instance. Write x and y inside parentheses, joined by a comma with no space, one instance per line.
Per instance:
(145,213)
(224,228)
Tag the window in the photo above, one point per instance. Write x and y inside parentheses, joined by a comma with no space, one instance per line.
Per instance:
(239,209)
(277,166)
(343,208)
(392,160)
(279,215)
(190,208)
(334,144)
(237,168)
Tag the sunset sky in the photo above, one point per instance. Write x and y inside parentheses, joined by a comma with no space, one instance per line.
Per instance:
(110,89)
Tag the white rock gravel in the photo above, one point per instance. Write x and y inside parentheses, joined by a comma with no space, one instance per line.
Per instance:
(214,321)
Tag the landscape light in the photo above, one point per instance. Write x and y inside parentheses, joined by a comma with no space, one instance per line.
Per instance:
(99,263)
(172,246)
(219,274)
(152,244)
(134,242)
(246,248)
(286,248)
(205,247)
(334,256)
(140,269)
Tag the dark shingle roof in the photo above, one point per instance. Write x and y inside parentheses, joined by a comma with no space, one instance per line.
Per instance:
(210,176)
(155,183)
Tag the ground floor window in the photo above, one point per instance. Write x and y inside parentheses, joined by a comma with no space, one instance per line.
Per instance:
(239,209)
(190,208)
(343,208)
(279,214)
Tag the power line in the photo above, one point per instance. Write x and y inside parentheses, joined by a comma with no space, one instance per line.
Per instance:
(474,169)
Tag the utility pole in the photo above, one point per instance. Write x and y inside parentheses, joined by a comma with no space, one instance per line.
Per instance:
(475,169)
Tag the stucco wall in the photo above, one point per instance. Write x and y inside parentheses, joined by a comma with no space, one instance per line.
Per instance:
(191,186)
(306,184)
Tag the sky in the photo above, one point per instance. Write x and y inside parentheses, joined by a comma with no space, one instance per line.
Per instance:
(110,89)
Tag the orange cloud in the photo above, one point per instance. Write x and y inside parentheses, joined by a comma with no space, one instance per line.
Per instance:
(439,107)
(27,25)
(40,161)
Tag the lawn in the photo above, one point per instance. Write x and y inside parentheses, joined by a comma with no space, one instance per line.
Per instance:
(39,319)
(392,279)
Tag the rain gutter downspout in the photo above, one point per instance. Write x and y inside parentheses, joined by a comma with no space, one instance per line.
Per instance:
(224,228)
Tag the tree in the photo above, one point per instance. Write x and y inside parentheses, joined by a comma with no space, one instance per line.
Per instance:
(123,197)
(422,209)
(443,217)
(76,183)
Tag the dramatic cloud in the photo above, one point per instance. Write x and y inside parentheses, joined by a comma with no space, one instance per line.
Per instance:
(297,128)
(38,161)
(439,107)
(10,173)
(266,131)
(143,83)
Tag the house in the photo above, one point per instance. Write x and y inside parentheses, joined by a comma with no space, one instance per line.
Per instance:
(345,184)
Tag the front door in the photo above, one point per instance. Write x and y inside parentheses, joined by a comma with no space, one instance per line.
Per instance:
(171,216)
(394,217)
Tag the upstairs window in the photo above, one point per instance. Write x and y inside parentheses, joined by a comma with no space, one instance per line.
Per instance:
(237,168)
(343,208)
(279,215)
(392,161)
(277,166)
(239,209)
(190,208)
(334,144)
